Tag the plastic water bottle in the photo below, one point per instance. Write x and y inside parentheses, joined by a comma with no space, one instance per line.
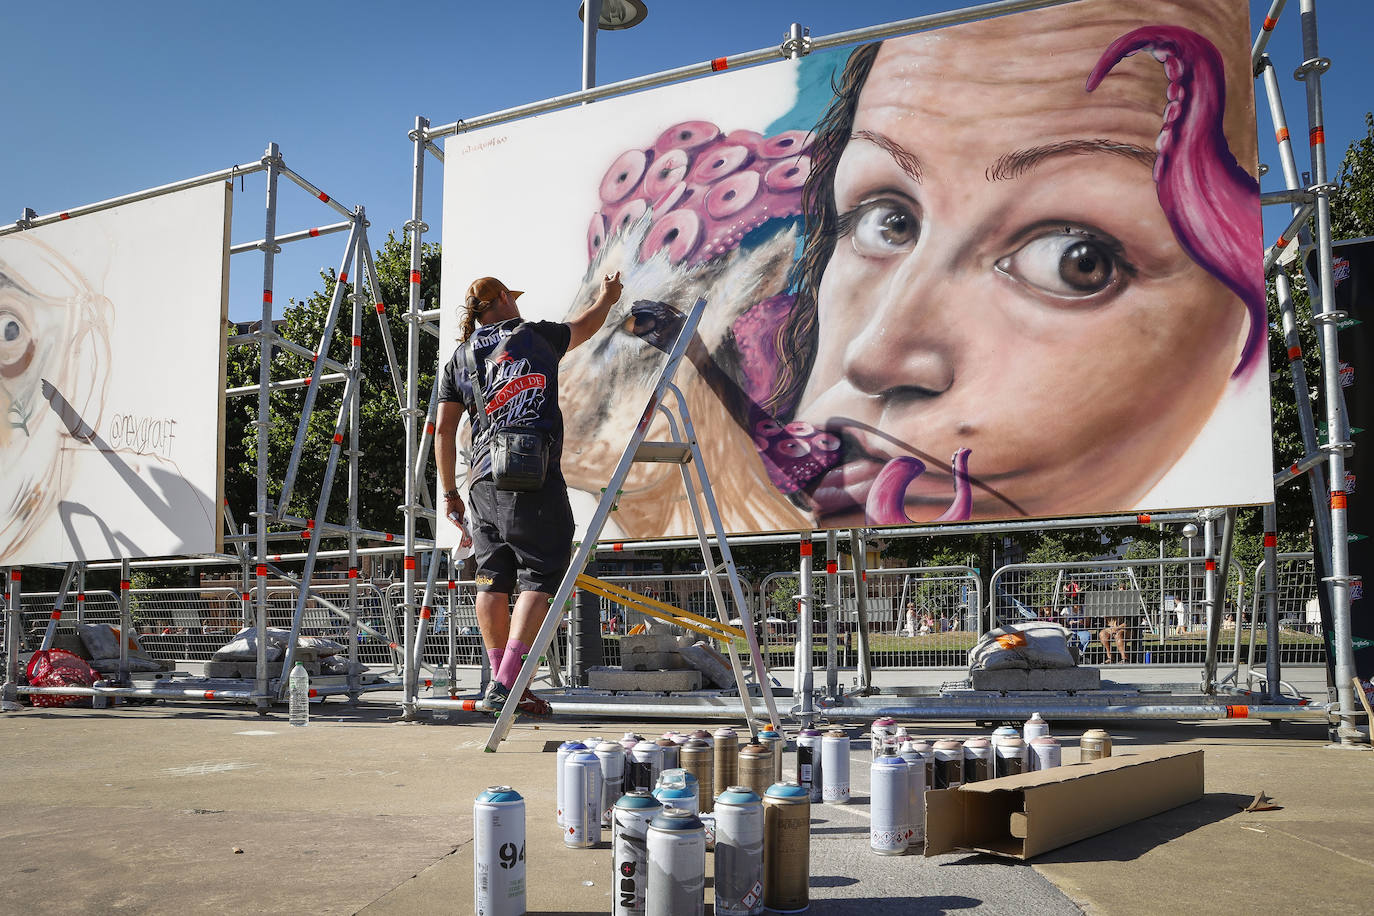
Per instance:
(300,695)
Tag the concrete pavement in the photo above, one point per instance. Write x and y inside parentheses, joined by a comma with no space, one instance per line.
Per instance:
(140,809)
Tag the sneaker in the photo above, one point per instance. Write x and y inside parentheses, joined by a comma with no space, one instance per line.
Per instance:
(494,700)
(532,704)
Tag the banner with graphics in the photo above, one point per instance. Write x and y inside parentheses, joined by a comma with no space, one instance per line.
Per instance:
(1008,269)
(111,382)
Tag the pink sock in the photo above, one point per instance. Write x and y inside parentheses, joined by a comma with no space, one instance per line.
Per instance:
(512,662)
(495,656)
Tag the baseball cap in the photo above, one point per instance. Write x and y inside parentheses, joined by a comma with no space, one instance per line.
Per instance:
(487,290)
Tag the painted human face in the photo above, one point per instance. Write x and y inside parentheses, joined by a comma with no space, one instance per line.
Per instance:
(1005,281)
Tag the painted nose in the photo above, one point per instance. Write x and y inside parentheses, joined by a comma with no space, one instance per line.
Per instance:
(906,349)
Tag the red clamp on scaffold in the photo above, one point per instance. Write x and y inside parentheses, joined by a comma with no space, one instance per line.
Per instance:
(618,546)
(314,233)
(323,196)
(15,575)
(81,596)
(313,692)
(338,438)
(381,307)
(64,216)
(267,295)
(56,614)
(1143,519)
(429,429)
(1210,566)
(125,585)
(353,572)
(414,276)
(1237,712)
(343,277)
(806,548)
(1281,134)
(426,612)
(1271,539)
(246,597)
(1338,500)
(1316,135)
(357,341)
(390,537)
(261,572)
(452,585)
(209,694)
(409,563)
(719,64)
(1294,354)
(1269,23)
(831,568)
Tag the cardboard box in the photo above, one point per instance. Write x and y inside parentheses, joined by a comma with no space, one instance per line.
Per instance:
(1023,816)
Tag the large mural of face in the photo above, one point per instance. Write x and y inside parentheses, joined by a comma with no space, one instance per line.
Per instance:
(111,360)
(1007,269)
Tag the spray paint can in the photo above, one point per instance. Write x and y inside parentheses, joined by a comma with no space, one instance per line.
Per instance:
(1045,753)
(889,807)
(917,765)
(629,740)
(1094,745)
(926,752)
(881,728)
(755,768)
(582,814)
(786,848)
(1010,752)
(978,764)
(676,849)
(1005,731)
(809,762)
(498,852)
(708,824)
(645,763)
(1034,728)
(702,734)
(696,759)
(668,750)
(631,817)
(727,754)
(564,750)
(901,734)
(775,742)
(611,756)
(676,795)
(835,767)
(739,852)
(679,776)
(949,764)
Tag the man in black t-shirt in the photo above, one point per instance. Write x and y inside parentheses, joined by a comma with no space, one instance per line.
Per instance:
(517,536)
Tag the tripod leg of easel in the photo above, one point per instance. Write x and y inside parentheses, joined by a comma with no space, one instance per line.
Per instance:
(736,588)
(722,610)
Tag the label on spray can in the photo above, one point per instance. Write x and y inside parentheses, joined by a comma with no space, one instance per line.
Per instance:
(630,818)
(739,853)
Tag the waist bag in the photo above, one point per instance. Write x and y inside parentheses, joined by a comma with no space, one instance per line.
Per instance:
(519,454)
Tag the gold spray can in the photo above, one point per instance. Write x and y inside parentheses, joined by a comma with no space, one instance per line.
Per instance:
(786,848)
(755,767)
(727,750)
(695,757)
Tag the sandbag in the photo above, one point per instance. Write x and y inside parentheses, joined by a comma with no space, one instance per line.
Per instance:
(1033,644)
(244,645)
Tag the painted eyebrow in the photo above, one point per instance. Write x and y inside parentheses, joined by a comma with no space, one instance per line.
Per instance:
(906,160)
(1018,162)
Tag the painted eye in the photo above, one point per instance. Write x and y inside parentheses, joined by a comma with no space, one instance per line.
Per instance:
(884,228)
(1068,264)
(16,344)
(655,323)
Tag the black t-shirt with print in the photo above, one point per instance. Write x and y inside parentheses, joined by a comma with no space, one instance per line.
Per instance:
(518,363)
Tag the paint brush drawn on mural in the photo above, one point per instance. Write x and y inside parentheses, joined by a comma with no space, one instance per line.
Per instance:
(1005,269)
(110,382)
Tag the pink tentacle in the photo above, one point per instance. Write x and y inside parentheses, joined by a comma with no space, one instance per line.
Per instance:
(962,508)
(1211,202)
(886,503)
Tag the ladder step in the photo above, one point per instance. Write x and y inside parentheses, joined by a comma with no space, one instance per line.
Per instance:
(664,452)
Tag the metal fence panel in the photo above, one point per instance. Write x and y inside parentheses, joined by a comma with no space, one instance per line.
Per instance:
(1301,638)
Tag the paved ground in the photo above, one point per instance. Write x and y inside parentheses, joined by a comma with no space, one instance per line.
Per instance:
(142,809)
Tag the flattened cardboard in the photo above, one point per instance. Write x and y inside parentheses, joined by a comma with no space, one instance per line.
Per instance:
(1022,816)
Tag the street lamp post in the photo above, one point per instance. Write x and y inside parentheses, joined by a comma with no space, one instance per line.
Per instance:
(611,16)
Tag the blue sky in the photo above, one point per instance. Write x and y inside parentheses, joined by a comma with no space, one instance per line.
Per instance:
(105,99)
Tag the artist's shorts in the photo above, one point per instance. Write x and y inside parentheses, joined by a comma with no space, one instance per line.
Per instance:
(521,536)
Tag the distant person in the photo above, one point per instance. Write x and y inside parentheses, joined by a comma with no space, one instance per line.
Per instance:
(1114,633)
(927,625)
(1180,617)
(911,616)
